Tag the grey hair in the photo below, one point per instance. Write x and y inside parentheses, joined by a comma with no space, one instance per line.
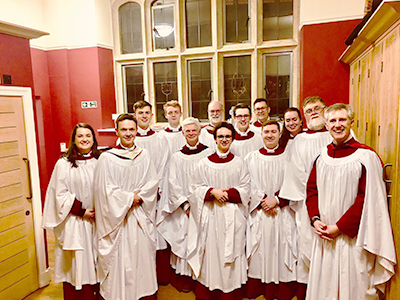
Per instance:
(189,121)
(313,99)
(340,106)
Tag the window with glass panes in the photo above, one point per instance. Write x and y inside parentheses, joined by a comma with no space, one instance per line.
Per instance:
(201,50)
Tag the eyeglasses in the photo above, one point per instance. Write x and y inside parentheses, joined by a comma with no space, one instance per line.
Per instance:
(240,117)
(221,137)
(316,109)
(260,109)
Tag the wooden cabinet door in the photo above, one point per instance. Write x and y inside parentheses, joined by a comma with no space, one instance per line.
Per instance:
(18,267)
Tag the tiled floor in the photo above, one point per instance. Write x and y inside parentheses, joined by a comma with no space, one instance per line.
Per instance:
(54,290)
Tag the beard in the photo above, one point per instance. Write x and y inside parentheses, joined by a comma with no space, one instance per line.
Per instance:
(316,124)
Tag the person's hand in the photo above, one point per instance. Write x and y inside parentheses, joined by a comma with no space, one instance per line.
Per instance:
(89,215)
(188,212)
(221,195)
(268,204)
(136,198)
(326,232)
(272,212)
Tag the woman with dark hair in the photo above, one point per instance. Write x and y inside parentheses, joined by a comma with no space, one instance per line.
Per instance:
(293,125)
(69,212)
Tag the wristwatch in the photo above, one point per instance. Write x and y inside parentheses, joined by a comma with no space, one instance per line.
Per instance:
(313,219)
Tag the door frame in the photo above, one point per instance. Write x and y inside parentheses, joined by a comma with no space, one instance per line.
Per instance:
(44,274)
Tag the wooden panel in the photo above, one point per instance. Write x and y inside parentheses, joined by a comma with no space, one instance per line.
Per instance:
(10,178)
(8,148)
(9,206)
(12,265)
(17,246)
(14,233)
(11,191)
(7,105)
(18,289)
(8,220)
(362,97)
(7,120)
(9,164)
(8,134)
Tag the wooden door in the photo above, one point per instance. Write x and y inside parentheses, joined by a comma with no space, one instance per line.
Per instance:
(18,267)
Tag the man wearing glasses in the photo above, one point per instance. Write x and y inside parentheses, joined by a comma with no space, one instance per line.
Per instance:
(215,116)
(261,110)
(219,207)
(302,155)
(246,140)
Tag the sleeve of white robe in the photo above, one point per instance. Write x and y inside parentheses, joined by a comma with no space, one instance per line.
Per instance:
(59,198)
(375,231)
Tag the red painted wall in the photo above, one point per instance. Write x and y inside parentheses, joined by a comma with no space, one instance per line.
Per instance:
(321,73)
(15,60)
(63,78)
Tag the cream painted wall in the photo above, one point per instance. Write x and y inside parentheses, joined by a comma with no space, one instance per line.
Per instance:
(71,23)
(28,13)
(323,11)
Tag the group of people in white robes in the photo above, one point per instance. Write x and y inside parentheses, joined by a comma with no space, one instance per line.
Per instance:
(226,211)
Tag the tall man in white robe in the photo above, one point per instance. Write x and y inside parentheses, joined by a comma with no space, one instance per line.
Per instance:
(215,116)
(246,140)
(261,111)
(219,208)
(173,217)
(353,253)
(125,191)
(271,231)
(304,149)
(157,146)
(173,132)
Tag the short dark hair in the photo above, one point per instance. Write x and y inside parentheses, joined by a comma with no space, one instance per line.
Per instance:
(224,125)
(239,106)
(141,104)
(271,122)
(123,117)
(258,100)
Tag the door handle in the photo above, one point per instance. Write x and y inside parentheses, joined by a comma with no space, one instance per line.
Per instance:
(28,166)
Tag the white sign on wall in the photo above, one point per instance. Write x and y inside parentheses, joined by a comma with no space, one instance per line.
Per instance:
(89,104)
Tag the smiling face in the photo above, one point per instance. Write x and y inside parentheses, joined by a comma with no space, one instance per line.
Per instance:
(191,134)
(339,126)
(84,140)
(223,139)
(292,122)
(143,117)
(173,115)
(261,110)
(270,135)
(314,115)
(127,132)
(242,119)
(215,112)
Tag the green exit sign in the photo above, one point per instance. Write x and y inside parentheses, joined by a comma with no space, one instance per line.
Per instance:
(89,104)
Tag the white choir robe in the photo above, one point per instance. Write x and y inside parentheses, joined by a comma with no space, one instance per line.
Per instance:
(216,235)
(126,236)
(172,221)
(271,240)
(74,252)
(207,138)
(303,152)
(242,147)
(175,140)
(158,148)
(351,268)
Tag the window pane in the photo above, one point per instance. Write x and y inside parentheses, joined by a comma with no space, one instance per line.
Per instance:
(200,88)
(134,90)
(237,21)
(237,81)
(277,82)
(277,19)
(163,26)
(166,88)
(130,28)
(198,23)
